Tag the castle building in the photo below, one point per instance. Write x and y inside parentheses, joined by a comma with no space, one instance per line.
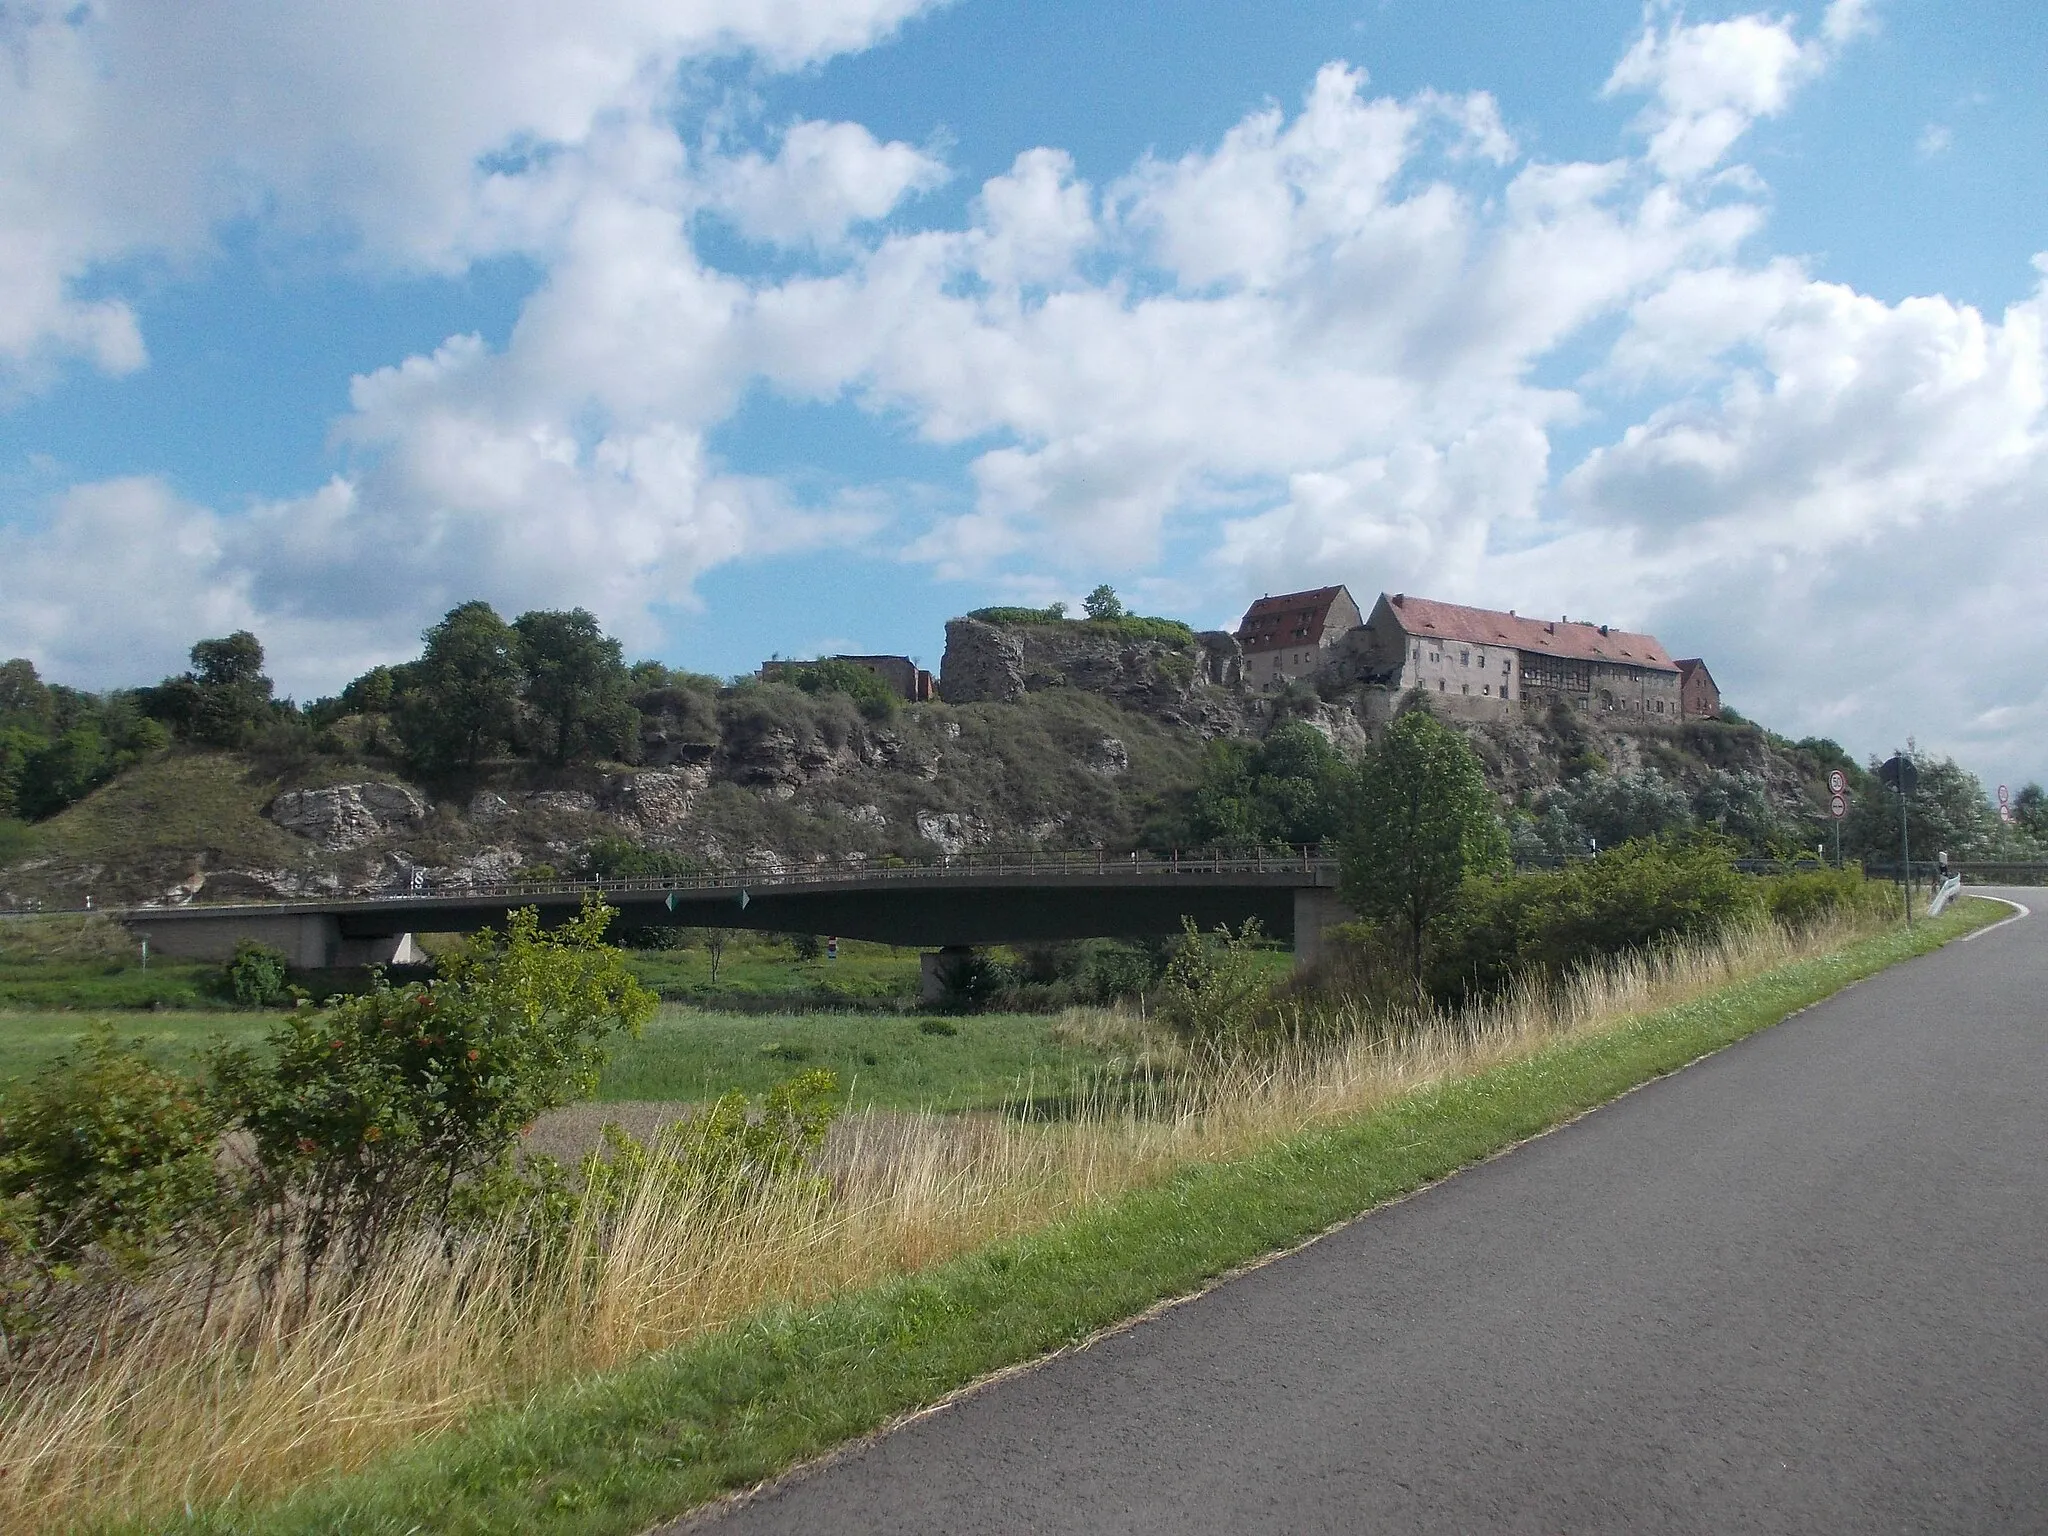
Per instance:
(1484,656)
(910,681)
(1290,636)
(1698,694)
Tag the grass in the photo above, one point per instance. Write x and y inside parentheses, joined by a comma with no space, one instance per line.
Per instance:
(768,967)
(69,961)
(141,830)
(672,1354)
(885,1061)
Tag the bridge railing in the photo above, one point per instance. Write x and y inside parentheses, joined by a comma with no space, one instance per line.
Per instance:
(962,867)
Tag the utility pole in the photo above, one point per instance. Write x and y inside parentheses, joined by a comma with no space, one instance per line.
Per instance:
(1900,773)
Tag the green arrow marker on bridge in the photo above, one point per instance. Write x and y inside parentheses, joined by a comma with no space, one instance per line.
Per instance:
(743,901)
(671,901)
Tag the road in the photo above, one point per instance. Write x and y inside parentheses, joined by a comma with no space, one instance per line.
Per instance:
(1801,1286)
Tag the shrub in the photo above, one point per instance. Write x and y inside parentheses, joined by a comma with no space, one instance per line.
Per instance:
(875,698)
(1212,992)
(1639,894)
(1116,971)
(734,1149)
(256,977)
(1800,900)
(102,1154)
(379,1107)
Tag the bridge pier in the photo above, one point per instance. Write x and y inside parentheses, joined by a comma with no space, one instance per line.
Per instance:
(309,941)
(938,972)
(1315,908)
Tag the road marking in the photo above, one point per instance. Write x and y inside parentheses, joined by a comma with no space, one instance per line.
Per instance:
(2018,912)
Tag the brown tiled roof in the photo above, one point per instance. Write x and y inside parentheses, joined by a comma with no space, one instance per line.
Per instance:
(1274,622)
(1581,641)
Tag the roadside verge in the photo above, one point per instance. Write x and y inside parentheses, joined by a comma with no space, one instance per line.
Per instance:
(622,1451)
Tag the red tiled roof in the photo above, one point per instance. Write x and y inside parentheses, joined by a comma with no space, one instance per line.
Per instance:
(1424,619)
(1271,622)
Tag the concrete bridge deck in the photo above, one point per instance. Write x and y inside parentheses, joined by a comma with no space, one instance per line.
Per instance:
(960,903)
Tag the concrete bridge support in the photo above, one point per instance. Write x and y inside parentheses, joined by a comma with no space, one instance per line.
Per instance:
(939,972)
(1315,908)
(309,941)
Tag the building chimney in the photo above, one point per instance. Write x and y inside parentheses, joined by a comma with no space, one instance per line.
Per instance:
(1400,598)
(1603,629)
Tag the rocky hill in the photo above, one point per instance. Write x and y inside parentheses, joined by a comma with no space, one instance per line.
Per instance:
(1051,734)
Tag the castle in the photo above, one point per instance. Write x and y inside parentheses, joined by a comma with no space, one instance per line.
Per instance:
(1477,661)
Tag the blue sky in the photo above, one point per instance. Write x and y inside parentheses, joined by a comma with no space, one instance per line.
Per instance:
(776,334)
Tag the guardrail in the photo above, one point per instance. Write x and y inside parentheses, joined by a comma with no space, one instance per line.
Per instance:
(962,868)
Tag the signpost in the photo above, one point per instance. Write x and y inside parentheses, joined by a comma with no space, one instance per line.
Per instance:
(1838,806)
(2005,805)
(1900,774)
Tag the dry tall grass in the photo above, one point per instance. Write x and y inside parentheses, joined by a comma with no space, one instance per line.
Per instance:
(251,1399)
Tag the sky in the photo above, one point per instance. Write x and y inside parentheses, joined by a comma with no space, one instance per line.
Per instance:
(785,327)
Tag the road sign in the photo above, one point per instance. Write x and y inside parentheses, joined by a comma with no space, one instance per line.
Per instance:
(1838,782)
(2004,795)
(1838,806)
(1899,772)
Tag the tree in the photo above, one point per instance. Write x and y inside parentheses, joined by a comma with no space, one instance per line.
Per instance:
(1103,603)
(465,689)
(222,699)
(1287,790)
(2030,811)
(1948,811)
(1423,821)
(576,684)
(24,701)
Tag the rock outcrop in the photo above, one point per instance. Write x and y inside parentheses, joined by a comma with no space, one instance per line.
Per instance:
(1193,683)
(341,817)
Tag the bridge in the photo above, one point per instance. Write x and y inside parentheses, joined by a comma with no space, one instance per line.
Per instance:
(955,905)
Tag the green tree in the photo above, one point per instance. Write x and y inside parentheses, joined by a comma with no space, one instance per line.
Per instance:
(1289,789)
(223,699)
(1422,822)
(2030,811)
(576,684)
(1103,603)
(24,701)
(1948,811)
(464,691)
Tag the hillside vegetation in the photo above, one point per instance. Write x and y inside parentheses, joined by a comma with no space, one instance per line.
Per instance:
(531,748)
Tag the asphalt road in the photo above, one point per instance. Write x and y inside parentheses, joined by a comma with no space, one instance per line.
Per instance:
(1802,1286)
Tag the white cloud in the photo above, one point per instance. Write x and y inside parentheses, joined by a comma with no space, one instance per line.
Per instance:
(1710,81)
(1935,139)
(1339,343)
(416,132)
(825,178)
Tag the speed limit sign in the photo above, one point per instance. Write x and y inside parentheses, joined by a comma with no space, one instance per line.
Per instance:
(1838,784)
(1838,806)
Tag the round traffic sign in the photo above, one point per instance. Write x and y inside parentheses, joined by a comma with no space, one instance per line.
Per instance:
(1838,782)
(1838,806)
(2004,795)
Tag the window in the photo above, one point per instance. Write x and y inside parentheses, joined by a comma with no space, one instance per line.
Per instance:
(1436,656)
(1464,658)
(1439,685)
(1464,687)
(1479,660)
